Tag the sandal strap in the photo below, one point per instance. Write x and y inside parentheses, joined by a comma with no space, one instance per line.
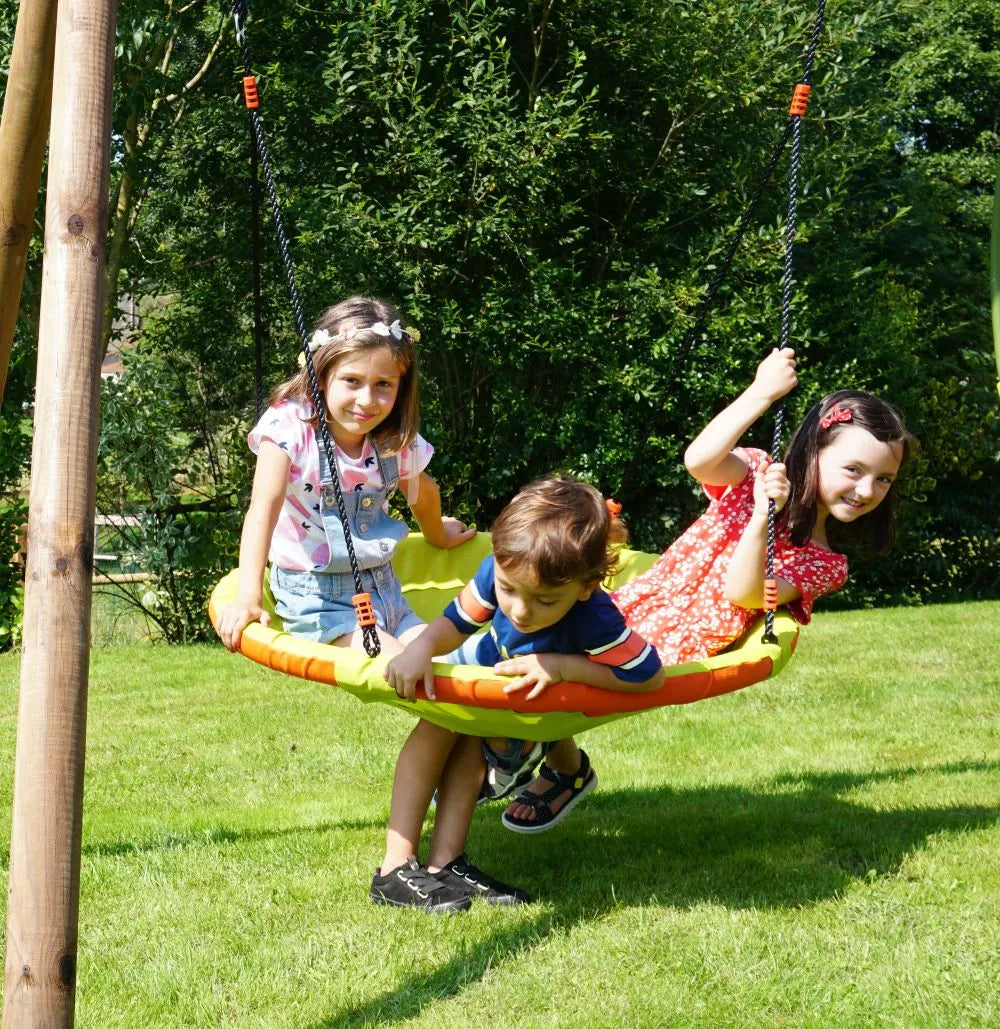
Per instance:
(540,802)
(564,781)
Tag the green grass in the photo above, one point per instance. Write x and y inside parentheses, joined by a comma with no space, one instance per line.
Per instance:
(819,850)
(114,621)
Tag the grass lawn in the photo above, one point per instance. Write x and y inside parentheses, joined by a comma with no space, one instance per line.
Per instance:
(819,850)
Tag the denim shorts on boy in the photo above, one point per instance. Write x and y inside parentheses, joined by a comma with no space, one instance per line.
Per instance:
(317,605)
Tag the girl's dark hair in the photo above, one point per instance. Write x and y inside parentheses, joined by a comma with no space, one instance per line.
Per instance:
(560,530)
(873,533)
(398,430)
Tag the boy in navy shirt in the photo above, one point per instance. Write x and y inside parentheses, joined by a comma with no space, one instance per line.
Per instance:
(550,621)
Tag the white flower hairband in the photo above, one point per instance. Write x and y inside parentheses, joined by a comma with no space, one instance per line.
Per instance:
(321,336)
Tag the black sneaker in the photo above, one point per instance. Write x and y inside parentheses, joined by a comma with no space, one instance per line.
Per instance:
(465,878)
(412,886)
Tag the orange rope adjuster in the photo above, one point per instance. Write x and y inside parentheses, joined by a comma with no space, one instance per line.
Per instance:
(770,594)
(363,609)
(250,92)
(800,100)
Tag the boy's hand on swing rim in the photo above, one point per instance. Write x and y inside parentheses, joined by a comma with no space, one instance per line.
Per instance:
(540,671)
(406,670)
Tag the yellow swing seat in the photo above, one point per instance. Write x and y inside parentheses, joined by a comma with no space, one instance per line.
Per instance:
(471,699)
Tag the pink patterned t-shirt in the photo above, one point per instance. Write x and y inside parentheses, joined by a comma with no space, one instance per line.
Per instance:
(299,541)
(679,605)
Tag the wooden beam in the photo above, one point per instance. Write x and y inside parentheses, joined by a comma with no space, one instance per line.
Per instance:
(24,128)
(44,892)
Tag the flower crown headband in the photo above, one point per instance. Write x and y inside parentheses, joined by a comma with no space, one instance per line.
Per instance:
(321,336)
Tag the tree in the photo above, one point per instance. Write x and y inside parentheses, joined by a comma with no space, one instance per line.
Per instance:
(546,190)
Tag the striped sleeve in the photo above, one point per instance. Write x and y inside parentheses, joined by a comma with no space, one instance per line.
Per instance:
(477,603)
(614,644)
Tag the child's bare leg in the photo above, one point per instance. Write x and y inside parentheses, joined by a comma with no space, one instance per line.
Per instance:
(390,645)
(564,757)
(418,771)
(457,795)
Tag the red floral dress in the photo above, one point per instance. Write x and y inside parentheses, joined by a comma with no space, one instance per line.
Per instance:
(679,605)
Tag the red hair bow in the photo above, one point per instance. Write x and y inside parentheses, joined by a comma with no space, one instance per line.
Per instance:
(614,508)
(835,414)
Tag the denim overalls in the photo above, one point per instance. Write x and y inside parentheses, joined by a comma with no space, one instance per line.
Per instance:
(317,605)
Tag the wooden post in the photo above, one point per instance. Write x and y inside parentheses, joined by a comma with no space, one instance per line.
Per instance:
(24,128)
(40,975)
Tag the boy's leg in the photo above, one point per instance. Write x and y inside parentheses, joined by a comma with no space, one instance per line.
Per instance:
(418,771)
(565,757)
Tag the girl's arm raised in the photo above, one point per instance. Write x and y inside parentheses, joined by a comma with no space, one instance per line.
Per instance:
(710,458)
(424,499)
(747,566)
(269,484)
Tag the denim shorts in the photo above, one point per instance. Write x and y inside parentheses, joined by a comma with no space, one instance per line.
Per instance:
(317,605)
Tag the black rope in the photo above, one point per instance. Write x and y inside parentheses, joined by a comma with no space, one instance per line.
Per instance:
(705,307)
(369,632)
(258,322)
(795,120)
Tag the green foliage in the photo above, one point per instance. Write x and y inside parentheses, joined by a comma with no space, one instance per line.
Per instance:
(546,190)
(14,446)
(159,436)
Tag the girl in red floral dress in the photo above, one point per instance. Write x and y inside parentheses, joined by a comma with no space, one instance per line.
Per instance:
(836,488)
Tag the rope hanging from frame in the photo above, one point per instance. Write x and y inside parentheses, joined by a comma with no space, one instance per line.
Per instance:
(362,601)
(791,132)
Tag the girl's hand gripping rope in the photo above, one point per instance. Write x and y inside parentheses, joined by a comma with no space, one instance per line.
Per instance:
(776,375)
(770,483)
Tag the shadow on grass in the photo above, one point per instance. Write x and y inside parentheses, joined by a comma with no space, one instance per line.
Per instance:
(795,841)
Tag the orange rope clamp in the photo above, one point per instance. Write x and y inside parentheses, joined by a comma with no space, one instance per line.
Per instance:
(250,92)
(770,594)
(363,609)
(800,100)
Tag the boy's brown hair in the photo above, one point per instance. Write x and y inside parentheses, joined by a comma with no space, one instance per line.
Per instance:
(561,530)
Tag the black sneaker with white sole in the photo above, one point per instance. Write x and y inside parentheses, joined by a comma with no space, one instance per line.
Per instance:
(412,886)
(463,877)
